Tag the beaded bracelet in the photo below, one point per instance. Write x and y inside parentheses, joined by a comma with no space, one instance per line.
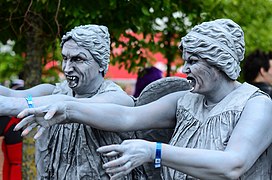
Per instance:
(29,101)
(158,155)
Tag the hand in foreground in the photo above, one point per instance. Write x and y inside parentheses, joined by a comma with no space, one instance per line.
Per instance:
(133,154)
(44,116)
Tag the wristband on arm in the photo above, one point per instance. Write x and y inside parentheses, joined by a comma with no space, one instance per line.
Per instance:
(158,155)
(29,101)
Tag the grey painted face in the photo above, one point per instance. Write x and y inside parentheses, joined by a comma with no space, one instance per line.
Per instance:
(202,76)
(95,39)
(79,67)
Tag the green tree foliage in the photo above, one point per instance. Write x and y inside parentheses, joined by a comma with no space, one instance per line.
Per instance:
(37,26)
(256,21)
(10,62)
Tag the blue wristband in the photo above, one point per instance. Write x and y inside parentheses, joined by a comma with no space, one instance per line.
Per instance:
(29,101)
(158,155)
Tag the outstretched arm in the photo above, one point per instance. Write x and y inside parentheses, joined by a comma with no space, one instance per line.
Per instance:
(13,101)
(111,117)
(39,90)
(12,106)
(250,138)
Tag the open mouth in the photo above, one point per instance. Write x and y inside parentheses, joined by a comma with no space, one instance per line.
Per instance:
(191,82)
(72,81)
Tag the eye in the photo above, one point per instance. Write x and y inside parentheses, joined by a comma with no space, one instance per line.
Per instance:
(192,61)
(64,58)
(77,59)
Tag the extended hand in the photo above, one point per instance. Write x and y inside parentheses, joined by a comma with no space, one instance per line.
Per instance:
(45,116)
(133,154)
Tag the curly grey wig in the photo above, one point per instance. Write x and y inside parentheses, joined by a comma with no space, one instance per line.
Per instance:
(219,42)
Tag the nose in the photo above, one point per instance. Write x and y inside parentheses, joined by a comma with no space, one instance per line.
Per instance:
(186,68)
(67,66)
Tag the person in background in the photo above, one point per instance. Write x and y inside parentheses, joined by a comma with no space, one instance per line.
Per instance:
(257,70)
(145,77)
(11,143)
(222,127)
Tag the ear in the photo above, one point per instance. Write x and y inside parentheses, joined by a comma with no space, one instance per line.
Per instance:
(262,71)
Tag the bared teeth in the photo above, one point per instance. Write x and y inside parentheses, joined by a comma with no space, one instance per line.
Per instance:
(73,81)
(71,77)
(190,82)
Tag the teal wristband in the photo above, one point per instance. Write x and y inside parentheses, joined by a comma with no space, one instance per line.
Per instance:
(29,101)
(158,155)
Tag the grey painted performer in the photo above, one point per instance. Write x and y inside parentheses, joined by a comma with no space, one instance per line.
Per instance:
(222,126)
(68,151)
